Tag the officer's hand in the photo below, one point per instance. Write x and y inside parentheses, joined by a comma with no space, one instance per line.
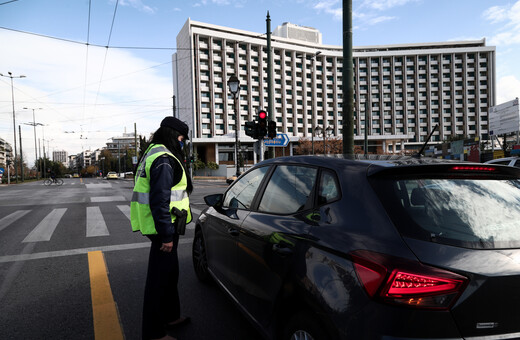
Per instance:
(167,247)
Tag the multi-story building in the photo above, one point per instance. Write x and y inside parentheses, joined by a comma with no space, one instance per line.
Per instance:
(401,92)
(5,151)
(118,145)
(60,156)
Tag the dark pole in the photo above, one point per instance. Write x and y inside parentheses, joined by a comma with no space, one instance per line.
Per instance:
(366,126)
(270,96)
(174,107)
(237,128)
(348,78)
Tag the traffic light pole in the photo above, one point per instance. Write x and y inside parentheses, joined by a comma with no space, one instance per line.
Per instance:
(270,96)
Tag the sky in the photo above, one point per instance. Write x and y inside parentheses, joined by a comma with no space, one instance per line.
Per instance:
(95,68)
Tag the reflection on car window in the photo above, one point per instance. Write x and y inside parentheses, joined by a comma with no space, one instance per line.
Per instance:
(328,190)
(241,194)
(288,190)
(483,212)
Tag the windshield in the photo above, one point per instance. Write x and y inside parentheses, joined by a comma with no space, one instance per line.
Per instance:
(472,213)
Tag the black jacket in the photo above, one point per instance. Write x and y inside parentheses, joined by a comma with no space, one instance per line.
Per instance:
(165,173)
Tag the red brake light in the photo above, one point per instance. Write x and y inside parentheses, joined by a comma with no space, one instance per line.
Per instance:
(409,283)
(473,168)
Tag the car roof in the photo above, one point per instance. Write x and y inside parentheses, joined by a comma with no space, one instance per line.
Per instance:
(374,164)
(502,159)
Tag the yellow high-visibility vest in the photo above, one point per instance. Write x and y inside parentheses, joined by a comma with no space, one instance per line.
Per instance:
(140,212)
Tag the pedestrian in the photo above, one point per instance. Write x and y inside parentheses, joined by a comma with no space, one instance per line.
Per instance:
(162,186)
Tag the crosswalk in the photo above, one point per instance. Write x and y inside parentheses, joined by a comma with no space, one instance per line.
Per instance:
(95,225)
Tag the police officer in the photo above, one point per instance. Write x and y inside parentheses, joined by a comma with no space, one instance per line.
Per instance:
(162,185)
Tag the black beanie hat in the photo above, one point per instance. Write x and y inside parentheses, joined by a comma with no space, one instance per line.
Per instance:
(177,125)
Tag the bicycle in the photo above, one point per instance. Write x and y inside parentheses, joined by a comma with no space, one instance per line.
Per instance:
(49,181)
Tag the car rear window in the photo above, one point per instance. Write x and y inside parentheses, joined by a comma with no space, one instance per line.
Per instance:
(473,213)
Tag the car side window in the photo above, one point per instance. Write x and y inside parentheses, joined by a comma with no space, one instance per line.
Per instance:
(241,194)
(328,190)
(288,189)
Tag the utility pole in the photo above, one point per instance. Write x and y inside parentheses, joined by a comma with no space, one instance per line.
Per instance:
(174,107)
(270,95)
(348,81)
(21,151)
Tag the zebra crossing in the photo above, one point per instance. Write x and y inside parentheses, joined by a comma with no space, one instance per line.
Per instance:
(96,226)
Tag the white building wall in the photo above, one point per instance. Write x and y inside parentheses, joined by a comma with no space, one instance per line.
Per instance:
(407,88)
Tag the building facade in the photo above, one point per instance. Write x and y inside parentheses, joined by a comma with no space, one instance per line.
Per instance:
(60,156)
(119,145)
(6,152)
(401,92)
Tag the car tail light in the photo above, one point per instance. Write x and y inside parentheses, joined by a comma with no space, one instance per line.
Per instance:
(404,282)
(473,168)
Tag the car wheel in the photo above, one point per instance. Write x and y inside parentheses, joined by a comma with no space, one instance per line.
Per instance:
(303,326)
(200,262)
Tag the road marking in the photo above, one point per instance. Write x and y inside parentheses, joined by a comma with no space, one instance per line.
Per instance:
(107,199)
(98,186)
(46,227)
(106,319)
(6,221)
(81,251)
(96,225)
(125,209)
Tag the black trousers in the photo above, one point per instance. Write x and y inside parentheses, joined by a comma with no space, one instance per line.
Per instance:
(161,297)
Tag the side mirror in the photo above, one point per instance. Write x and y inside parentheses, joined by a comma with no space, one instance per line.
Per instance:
(213,200)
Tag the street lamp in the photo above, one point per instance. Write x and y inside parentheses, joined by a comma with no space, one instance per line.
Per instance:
(34,124)
(234,87)
(317,130)
(10,75)
(328,131)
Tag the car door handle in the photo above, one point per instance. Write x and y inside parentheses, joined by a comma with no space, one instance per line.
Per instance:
(233,232)
(282,250)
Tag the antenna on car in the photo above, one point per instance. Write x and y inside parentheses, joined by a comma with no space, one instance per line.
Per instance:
(418,155)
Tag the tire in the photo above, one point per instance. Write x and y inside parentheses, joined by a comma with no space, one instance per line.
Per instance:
(200,262)
(303,326)
(47,182)
(59,181)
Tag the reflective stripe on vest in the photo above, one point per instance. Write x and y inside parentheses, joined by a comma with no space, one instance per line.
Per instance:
(144,197)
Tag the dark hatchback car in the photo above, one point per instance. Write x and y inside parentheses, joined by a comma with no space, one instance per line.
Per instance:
(327,248)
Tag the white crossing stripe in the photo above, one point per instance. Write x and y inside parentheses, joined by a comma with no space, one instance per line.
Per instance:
(107,199)
(125,209)
(6,221)
(96,225)
(46,227)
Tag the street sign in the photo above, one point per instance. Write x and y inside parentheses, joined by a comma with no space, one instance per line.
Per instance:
(281,139)
(1,171)
(134,160)
(504,118)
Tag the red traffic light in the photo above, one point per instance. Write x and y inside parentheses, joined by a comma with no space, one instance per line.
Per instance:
(262,114)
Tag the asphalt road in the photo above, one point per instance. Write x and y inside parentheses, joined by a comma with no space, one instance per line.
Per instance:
(47,281)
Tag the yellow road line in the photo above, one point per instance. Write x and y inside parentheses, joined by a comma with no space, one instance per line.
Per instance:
(106,319)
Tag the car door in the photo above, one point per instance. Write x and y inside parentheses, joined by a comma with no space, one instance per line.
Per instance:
(271,239)
(221,227)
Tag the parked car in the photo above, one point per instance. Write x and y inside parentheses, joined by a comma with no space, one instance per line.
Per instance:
(76,175)
(67,176)
(325,248)
(112,175)
(509,161)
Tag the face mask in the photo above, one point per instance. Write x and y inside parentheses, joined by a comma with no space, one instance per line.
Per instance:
(182,144)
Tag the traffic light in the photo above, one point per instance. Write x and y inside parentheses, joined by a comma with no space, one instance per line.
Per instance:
(262,124)
(251,129)
(271,129)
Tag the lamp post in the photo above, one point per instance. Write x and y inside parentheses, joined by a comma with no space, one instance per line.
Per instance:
(34,124)
(234,87)
(318,131)
(328,131)
(10,75)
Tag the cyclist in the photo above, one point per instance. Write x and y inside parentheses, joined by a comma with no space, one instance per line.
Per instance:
(53,176)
